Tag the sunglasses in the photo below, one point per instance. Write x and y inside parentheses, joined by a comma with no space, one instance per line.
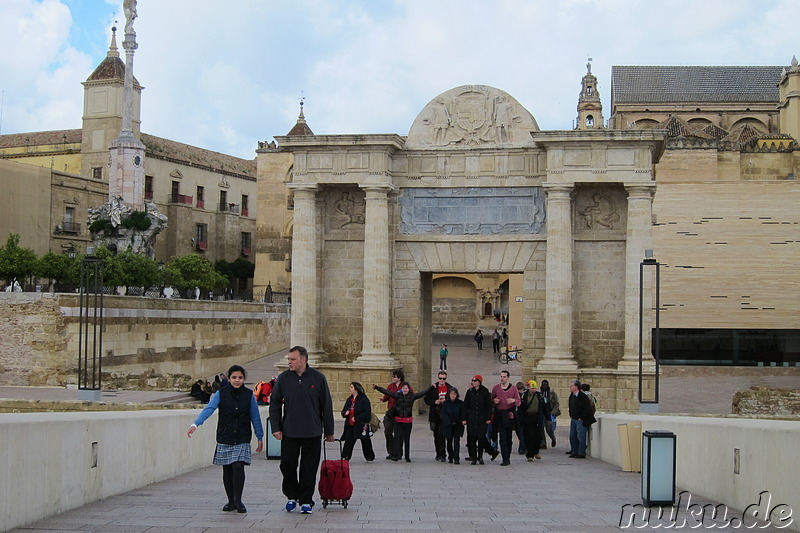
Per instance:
(473,380)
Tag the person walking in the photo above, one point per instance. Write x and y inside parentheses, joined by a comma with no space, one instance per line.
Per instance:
(357,412)
(403,418)
(477,417)
(496,341)
(300,413)
(398,377)
(238,411)
(434,398)
(452,416)
(479,339)
(505,397)
(551,399)
(533,412)
(443,353)
(580,414)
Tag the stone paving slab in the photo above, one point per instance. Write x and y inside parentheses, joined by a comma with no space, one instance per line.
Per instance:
(556,494)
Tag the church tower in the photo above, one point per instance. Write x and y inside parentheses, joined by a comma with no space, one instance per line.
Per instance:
(789,90)
(590,109)
(103,112)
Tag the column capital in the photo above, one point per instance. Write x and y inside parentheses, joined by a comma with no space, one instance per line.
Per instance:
(640,190)
(384,188)
(310,187)
(558,190)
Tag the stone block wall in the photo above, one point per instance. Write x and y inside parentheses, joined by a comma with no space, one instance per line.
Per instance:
(147,342)
(454,315)
(598,302)
(342,299)
(766,401)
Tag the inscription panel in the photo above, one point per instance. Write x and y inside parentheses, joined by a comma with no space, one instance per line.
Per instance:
(472,211)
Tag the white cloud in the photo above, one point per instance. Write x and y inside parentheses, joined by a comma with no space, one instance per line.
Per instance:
(224,76)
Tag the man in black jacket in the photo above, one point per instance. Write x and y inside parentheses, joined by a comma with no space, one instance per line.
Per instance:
(580,414)
(477,414)
(300,412)
(436,396)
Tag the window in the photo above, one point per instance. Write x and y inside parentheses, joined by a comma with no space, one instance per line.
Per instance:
(176,191)
(246,240)
(590,120)
(69,225)
(148,187)
(201,202)
(97,173)
(201,234)
(223,200)
(245,205)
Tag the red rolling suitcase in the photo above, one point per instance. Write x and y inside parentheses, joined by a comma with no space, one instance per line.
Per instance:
(334,479)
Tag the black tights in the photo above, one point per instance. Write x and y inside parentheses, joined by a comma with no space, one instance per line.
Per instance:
(233,479)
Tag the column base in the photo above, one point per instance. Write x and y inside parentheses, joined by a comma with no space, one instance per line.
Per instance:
(315,358)
(557,364)
(628,364)
(377,359)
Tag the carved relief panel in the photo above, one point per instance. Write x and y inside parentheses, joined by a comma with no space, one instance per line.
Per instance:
(469,116)
(345,210)
(600,209)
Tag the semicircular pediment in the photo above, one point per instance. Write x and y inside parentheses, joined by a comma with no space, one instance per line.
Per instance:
(472,116)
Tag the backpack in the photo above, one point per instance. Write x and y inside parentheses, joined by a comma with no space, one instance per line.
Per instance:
(374,423)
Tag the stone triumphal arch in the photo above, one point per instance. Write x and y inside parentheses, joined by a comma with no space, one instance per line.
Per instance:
(475,187)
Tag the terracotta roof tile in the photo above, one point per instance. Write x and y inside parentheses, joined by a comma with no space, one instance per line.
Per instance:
(654,84)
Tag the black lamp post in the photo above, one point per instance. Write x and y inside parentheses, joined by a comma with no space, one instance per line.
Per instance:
(649,261)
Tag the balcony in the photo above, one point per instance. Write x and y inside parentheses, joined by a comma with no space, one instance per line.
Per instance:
(200,204)
(202,246)
(181,199)
(246,251)
(245,212)
(68,227)
(148,195)
(229,208)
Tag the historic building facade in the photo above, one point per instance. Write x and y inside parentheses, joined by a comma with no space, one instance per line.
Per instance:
(54,177)
(476,190)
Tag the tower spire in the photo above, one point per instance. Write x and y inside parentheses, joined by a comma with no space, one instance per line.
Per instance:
(590,109)
(301,127)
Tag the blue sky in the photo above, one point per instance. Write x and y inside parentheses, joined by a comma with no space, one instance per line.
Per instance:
(225,75)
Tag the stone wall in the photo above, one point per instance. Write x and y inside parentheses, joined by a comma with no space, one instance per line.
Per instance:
(147,342)
(766,401)
(454,315)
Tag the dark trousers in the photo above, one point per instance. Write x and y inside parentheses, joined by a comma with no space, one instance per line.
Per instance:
(388,433)
(442,363)
(495,345)
(350,437)
(533,436)
(477,443)
(306,452)
(402,437)
(438,437)
(452,439)
(504,436)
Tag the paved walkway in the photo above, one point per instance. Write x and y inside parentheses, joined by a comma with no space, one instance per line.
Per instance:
(555,494)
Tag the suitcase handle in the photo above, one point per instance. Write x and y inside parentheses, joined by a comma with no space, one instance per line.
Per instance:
(324,453)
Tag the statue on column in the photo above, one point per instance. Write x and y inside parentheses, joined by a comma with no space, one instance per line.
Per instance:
(129,7)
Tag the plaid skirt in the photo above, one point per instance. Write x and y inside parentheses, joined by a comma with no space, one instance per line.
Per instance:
(226,454)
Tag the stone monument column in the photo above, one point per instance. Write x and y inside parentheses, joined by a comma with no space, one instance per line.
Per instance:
(305,300)
(377,278)
(639,237)
(558,300)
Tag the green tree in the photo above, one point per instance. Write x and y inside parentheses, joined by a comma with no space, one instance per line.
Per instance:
(223,267)
(138,270)
(59,268)
(113,274)
(190,271)
(16,262)
(243,269)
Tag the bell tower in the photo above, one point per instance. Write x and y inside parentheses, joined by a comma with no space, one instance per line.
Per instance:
(789,90)
(590,109)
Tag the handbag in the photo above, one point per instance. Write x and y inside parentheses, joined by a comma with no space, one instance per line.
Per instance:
(366,431)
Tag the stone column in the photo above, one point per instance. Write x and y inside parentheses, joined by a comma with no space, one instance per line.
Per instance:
(377,278)
(305,301)
(558,300)
(639,237)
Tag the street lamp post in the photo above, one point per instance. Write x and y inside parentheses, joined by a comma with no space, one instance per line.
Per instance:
(649,260)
